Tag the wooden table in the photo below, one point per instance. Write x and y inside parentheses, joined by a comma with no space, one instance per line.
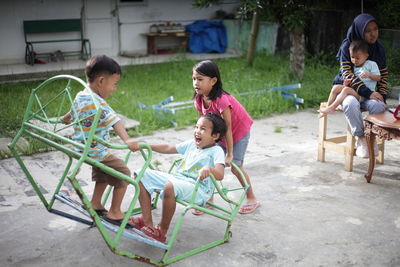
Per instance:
(383,125)
(152,37)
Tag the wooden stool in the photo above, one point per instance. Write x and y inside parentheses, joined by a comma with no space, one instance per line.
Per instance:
(344,144)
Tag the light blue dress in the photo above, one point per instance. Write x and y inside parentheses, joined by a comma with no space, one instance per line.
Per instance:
(193,160)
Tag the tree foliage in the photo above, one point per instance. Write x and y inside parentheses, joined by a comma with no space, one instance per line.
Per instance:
(292,14)
(388,14)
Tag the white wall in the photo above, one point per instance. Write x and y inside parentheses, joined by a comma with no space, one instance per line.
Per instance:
(133,19)
(12,15)
(102,26)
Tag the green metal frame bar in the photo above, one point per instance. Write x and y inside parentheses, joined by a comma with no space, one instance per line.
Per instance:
(53,139)
(191,205)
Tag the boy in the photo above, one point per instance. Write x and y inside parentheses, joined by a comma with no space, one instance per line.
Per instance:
(365,69)
(103,75)
(201,157)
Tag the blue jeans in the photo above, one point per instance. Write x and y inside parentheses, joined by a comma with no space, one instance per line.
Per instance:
(351,108)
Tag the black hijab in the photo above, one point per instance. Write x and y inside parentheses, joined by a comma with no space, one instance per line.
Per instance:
(376,51)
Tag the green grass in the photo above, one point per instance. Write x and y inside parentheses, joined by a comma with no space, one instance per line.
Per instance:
(151,84)
(277,129)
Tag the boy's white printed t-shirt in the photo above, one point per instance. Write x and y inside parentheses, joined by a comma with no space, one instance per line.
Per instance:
(369,66)
(86,110)
(194,159)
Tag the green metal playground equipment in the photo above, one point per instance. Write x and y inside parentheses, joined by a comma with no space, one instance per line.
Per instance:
(47,109)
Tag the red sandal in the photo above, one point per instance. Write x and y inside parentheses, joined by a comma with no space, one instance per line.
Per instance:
(136,222)
(154,232)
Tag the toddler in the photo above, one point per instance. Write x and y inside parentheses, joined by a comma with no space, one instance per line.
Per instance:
(103,75)
(365,69)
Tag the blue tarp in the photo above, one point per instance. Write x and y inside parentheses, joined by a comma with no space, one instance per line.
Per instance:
(207,36)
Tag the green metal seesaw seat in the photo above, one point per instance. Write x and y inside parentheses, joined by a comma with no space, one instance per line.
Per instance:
(47,108)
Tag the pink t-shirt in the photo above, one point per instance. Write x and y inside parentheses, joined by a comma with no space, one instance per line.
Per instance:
(241,120)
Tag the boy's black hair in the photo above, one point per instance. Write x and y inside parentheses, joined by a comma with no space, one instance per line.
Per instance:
(359,45)
(219,126)
(100,65)
(210,69)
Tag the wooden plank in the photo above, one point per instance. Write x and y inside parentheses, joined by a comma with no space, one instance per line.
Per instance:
(337,140)
(335,147)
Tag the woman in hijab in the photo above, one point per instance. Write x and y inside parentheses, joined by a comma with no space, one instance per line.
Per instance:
(364,27)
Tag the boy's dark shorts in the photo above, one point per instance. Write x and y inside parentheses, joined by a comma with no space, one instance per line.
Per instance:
(115,163)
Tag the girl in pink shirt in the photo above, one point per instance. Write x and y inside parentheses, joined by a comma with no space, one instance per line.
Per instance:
(210,97)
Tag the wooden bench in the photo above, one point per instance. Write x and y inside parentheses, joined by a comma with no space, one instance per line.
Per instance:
(33,28)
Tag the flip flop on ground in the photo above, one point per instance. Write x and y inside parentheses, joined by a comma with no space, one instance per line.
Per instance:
(154,232)
(136,222)
(199,212)
(249,207)
(116,221)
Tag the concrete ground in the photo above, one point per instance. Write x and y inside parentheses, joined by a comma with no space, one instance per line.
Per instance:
(311,214)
